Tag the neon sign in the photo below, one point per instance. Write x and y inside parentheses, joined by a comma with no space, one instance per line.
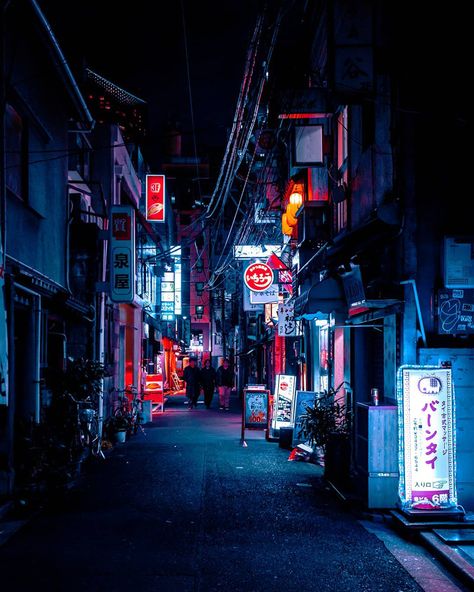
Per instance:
(427,437)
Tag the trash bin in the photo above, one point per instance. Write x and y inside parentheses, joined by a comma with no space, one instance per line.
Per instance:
(286,438)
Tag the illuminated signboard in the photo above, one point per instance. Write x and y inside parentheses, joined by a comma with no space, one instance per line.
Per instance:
(271,294)
(168,295)
(427,437)
(175,253)
(258,277)
(256,251)
(248,306)
(155,198)
(283,401)
(286,320)
(154,391)
(122,254)
(255,408)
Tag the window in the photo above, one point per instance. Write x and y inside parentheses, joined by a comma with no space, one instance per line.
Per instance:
(308,145)
(79,154)
(342,139)
(16,153)
(197,340)
(340,218)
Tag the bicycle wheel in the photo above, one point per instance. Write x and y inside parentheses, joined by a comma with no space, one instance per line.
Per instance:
(95,441)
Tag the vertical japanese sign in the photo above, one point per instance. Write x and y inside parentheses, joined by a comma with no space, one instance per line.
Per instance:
(122,253)
(286,320)
(168,295)
(427,437)
(155,198)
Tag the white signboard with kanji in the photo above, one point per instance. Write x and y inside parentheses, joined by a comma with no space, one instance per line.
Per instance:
(248,306)
(427,436)
(122,254)
(265,296)
(286,320)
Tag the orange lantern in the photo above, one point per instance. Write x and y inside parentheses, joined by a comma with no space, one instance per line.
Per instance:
(285,227)
(296,197)
(291,210)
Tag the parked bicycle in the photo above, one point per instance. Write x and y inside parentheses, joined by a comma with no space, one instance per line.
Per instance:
(130,408)
(87,434)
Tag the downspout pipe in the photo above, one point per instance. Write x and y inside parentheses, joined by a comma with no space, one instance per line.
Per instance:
(64,71)
(418,308)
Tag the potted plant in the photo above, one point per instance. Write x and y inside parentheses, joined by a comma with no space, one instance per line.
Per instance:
(83,379)
(327,426)
(117,427)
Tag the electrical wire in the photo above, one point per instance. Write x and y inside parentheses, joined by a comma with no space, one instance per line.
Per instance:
(191,107)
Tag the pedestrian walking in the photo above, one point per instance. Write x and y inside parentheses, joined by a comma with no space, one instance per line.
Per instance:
(192,379)
(208,381)
(225,382)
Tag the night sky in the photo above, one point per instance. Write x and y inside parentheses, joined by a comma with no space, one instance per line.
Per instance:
(142,50)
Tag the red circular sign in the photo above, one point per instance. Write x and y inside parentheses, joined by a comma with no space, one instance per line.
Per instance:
(258,277)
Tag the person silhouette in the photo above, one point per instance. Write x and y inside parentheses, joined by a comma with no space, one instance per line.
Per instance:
(192,379)
(225,382)
(208,381)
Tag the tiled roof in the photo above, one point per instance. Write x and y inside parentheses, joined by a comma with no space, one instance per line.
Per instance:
(119,94)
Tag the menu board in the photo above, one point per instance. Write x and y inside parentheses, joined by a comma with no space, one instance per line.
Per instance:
(255,408)
(283,401)
(455,312)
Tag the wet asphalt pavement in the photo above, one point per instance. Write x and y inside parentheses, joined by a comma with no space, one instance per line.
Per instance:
(186,508)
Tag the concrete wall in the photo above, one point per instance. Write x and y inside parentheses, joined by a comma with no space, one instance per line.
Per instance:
(36,225)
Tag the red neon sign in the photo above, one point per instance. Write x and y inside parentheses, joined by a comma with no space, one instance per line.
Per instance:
(258,277)
(155,198)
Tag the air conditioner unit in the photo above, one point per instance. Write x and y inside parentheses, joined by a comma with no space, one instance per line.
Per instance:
(459,262)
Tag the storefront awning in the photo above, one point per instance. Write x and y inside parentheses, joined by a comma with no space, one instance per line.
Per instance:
(320,300)
(372,310)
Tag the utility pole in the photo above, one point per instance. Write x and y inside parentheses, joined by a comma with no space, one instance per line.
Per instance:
(7,418)
(3,201)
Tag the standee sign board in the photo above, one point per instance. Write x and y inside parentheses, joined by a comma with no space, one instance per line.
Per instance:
(427,436)
(282,416)
(303,400)
(254,409)
(154,391)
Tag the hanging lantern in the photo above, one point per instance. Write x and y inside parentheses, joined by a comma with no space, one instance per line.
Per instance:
(296,197)
(291,210)
(285,227)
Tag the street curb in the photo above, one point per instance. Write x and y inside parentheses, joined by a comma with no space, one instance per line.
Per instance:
(461,567)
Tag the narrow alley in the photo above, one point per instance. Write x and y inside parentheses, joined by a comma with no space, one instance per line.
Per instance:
(184,507)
